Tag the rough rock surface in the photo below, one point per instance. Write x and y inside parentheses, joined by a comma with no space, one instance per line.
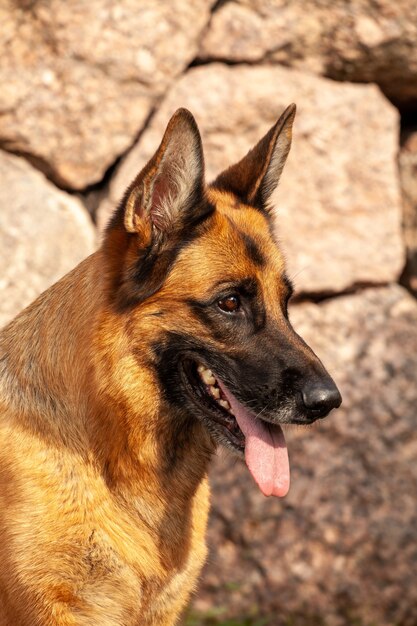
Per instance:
(80,78)
(408,176)
(341,177)
(356,40)
(44,233)
(342,547)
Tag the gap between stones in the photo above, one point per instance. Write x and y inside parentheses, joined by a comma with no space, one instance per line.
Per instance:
(407,112)
(91,195)
(322,296)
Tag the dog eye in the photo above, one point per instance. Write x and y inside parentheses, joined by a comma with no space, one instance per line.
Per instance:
(230,304)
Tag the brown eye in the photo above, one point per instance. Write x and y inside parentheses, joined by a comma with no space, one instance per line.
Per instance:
(230,304)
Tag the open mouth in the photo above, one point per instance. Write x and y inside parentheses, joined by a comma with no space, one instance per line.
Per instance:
(262,443)
(211,398)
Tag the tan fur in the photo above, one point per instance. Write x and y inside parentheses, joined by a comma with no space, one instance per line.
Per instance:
(103,500)
(77,473)
(71,488)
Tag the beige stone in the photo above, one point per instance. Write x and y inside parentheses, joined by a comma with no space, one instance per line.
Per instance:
(356,40)
(340,548)
(80,78)
(44,233)
(338,200)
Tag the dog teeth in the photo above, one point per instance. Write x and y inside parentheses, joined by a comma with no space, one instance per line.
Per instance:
(209,379)
(206,375)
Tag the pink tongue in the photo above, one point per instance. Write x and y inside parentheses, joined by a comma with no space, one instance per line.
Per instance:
(265,449)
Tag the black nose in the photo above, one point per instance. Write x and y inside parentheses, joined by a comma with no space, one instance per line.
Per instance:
(320,398)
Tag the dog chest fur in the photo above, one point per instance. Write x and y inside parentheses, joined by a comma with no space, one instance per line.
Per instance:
(83,546)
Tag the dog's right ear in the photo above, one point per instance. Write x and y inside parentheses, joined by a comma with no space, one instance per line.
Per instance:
(166,195)
(160,208)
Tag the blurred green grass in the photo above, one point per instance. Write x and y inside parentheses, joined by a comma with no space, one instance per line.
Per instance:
(215,617)
(255,616)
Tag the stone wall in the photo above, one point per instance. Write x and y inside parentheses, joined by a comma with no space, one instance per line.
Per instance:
(86,91)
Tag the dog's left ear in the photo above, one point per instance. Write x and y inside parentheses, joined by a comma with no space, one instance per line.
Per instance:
(254,178)
(166,194)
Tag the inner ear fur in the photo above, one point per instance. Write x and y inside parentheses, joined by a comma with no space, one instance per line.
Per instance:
(165,205)
(254,178)
(165,195)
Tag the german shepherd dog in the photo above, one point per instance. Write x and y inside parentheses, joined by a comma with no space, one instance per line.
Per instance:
(118,383)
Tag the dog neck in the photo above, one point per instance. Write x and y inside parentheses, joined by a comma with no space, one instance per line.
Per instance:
(66,368)
(43,352)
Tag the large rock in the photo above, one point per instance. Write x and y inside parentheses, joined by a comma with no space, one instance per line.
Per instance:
(43,234)
(408,177)
(339,201)
(80,78)
(341,548)
(356,40)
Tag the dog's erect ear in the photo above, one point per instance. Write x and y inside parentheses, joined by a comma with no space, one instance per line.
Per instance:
(167,192)
(161,207)
(254,178)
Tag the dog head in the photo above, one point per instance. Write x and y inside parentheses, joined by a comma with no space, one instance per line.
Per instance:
(199,276)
